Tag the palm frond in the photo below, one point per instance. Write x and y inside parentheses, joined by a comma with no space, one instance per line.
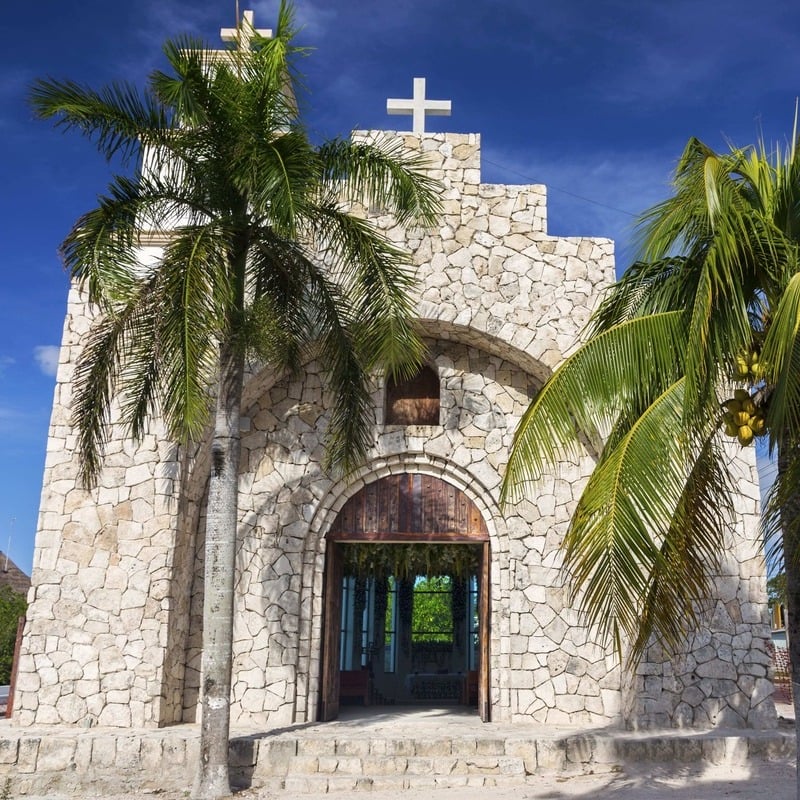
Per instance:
(690,552)
(641,540)
(98,373)
(631,363)
(278,177)
(349,429)
(188,90)
(377,279)
(644,288)
(781,358)
(118,119)
(382,174)
(191,303)
(278,329)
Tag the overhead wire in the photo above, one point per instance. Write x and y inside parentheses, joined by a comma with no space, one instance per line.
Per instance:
(559,189)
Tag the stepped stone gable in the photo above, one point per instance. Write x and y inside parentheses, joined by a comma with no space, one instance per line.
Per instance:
(114,631)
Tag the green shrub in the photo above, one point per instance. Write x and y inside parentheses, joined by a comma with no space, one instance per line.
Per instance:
(12,606)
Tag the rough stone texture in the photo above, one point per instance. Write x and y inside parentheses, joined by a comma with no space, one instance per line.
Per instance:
(115,624)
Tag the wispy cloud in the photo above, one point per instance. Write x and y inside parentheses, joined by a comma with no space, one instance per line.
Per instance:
(648,54)
(662,58)
(316,20)
(46,356)
(5,363)
(163,20)
(14,84)
(10,420)
(588,193)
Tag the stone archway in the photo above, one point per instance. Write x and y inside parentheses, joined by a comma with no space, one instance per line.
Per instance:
(403,508)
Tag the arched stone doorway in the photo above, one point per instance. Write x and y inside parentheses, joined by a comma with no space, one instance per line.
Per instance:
(396,519)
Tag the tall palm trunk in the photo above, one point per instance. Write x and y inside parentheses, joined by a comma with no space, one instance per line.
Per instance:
(220,552)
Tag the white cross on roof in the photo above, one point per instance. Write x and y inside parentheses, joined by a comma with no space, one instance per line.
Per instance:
(418,106)
(245,32)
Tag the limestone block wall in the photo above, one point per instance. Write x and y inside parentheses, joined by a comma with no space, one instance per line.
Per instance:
(490,266)
(722,678)
(280,560)
(115,623)
(103,601)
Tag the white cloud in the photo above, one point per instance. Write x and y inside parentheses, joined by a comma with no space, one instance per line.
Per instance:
(46,356)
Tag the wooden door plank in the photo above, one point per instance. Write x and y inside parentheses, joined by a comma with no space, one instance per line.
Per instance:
(484,591)
(331,626)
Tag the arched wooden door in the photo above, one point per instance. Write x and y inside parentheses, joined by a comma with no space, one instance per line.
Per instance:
(402,508)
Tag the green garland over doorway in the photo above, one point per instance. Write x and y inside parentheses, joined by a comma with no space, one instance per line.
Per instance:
(380,559)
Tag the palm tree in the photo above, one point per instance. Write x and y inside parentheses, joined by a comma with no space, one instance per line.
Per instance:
(262,259)
(714,303)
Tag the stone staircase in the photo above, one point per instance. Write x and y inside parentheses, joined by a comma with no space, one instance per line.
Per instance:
(311,766)
(347,761)
(389,750)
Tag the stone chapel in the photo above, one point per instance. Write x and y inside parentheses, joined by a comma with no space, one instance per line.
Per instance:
(334,576)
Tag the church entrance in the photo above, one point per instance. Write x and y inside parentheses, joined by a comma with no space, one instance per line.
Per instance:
(407,599)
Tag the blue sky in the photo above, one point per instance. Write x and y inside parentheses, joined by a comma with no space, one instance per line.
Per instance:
(595,98)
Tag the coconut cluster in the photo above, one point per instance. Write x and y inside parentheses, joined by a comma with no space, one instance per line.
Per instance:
(748,365)
(743,419)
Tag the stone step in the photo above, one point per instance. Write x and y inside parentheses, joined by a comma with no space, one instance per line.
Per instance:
(325,784)
(315,765)
(379,766)
(329,759)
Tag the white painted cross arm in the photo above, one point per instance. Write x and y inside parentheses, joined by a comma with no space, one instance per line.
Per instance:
(244,34)
(418,107)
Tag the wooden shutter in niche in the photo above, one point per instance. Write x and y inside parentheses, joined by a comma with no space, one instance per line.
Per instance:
(414,401)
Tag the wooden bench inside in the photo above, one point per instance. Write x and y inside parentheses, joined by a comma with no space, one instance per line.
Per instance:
(355,684)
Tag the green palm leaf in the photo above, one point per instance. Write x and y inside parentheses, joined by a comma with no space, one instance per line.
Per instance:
(781,356)
(629,364)
(628,549)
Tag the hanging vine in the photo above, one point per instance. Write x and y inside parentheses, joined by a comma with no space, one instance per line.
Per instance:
(380,560)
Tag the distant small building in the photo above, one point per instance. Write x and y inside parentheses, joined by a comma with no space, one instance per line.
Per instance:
(11,575)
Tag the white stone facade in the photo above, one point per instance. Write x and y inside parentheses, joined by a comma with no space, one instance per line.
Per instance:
(114,629)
